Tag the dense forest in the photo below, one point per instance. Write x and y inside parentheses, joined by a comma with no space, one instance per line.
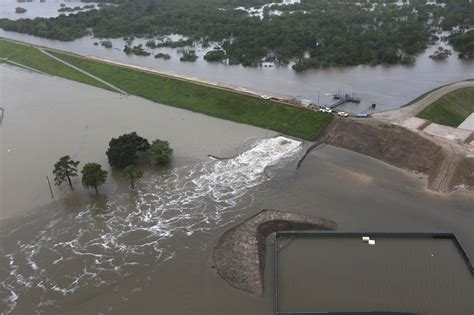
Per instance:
(312,33)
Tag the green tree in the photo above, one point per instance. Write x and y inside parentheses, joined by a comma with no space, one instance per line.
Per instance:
(215,55)
(124,150)
(160,152)
(64,169)
(93,176)
(20,10)
(132,173)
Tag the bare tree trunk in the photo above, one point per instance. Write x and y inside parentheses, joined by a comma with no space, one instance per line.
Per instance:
(96,190)
(132,183)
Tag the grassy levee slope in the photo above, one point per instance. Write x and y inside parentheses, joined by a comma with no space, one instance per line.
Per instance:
(31,57)
(297,122)
(451,109)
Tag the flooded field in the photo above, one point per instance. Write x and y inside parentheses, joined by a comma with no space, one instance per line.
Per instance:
(148,250)
(387,86)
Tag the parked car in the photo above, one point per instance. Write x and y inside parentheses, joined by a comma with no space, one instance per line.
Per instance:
(362,115)
(343,114)
(265,97)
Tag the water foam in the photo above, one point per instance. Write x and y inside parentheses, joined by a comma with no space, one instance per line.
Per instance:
(101,244)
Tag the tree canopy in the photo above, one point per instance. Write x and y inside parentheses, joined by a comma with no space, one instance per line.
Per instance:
(20,10)
(132,174)
(313,34)
(93,176)
(124,150)
(464,43)
(160,152)
(215,55)
(64,169)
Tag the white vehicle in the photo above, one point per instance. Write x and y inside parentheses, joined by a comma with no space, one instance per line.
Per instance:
(265,97)
(343,114)
(328,110)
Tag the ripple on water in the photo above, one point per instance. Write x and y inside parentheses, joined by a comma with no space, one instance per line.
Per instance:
(97,247)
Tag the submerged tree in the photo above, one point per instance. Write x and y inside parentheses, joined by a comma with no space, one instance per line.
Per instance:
(123,151)
(132,174)
(20,10)
(64,169)
(160,152)
(93,176)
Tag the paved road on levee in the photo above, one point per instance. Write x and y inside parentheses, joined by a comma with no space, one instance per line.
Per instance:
(398,115)
(83,72)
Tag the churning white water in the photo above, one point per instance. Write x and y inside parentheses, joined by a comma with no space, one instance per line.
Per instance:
(102,243)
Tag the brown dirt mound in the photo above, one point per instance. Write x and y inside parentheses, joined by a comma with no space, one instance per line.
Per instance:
(445,165)
(464,174)
(239,255)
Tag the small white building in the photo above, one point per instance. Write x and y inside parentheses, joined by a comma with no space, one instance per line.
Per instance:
(305,102)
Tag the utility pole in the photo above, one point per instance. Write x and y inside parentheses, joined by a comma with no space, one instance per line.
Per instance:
(50,189)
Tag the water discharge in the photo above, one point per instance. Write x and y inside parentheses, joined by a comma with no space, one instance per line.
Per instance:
(106,241)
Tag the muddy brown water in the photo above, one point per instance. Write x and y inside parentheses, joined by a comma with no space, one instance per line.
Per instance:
(421,275)
(149,251)
(387,86)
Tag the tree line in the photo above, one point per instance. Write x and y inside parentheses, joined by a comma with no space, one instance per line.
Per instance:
(123,153)
(313,33)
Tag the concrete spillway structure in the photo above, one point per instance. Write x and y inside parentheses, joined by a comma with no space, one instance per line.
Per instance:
(239,255)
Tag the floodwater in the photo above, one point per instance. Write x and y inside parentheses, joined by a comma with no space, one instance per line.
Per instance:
(347,274)
(387,86)
(36,8)
(58,117)
(149,250)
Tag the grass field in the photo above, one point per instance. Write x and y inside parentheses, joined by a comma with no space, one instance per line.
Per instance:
(451,109)
(33,58)
(297,122)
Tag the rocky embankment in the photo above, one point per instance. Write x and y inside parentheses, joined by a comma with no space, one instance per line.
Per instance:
(239,255)
(446,165)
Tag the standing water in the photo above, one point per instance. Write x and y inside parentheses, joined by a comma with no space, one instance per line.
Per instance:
(99,244)
(149,250)
(388,86)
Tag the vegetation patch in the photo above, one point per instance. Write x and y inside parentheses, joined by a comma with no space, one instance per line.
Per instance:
(31,57)
(20,10)
(451,109)
(293,121)
(441,54)
(313,34)
(215,55)
(136,50)
(188,55)
(464,43)
(163,56)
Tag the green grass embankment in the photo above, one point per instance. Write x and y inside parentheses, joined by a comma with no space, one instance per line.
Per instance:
(31,57)
(451,109)
(220,103)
